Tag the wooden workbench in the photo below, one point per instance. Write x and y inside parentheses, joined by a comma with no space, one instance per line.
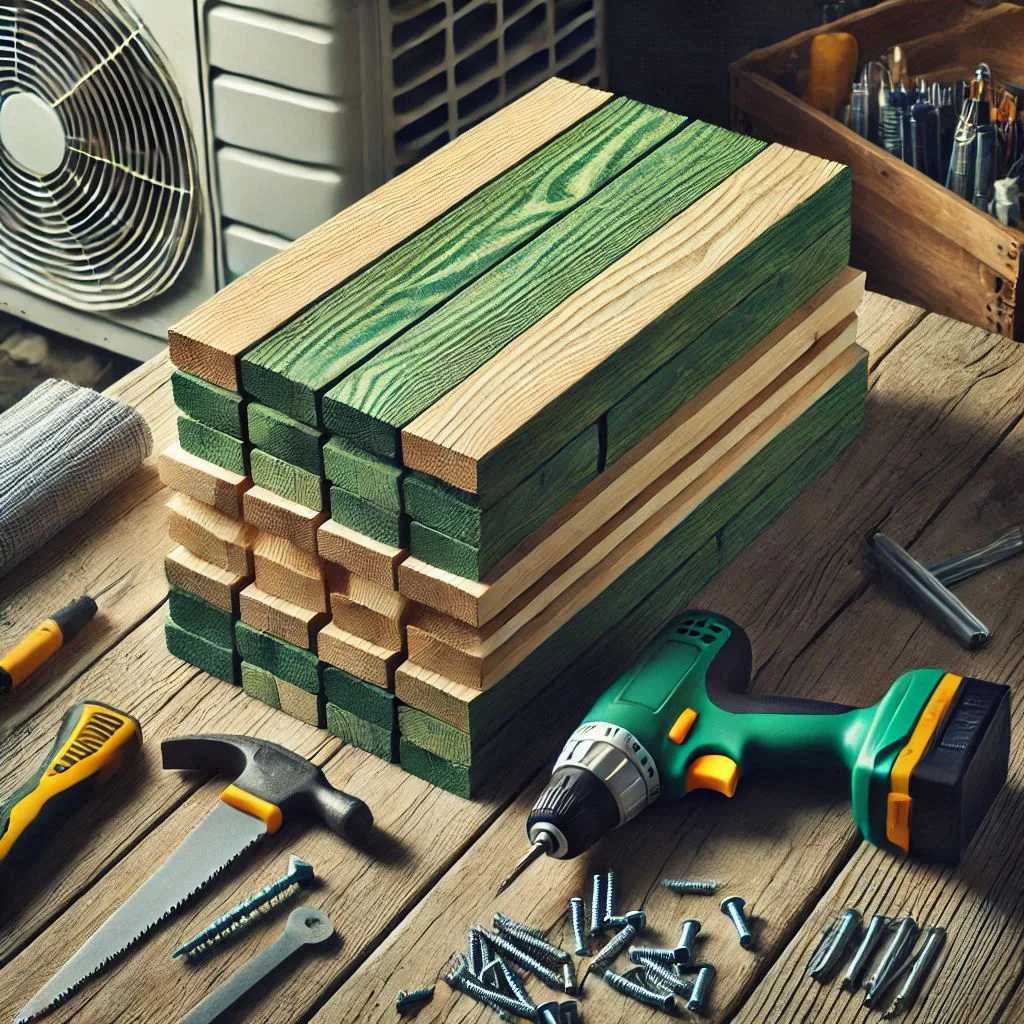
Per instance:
(940,468)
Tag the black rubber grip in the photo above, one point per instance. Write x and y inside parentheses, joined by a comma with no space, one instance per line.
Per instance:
(272,773)
(74,617)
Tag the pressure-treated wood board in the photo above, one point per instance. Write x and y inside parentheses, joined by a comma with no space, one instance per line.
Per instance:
(213,445)
(358,657)
(219,662)
(285,478)
(372,404)
(293,367)
(361,555)
(209,340)
(495,530)
(827,428)
(211,583)
(270,614)
(300,703)
(259,683)
(362,699)
(374,739)
(184,472)
(277,434)
(683,438)
(623,324)
(376,480)
(205,620)
(379,628)
(380,524)
(216,407)
(211,535)
(284,660)
(272,513)
(284,570)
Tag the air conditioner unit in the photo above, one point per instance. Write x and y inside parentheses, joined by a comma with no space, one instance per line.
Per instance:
(152,150)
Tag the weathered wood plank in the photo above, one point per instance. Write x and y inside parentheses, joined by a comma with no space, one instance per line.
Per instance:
(372,404)
(284,570)
(678,439)
(358,472)
(277,434)
(293,367)
(214,585)
(288,480)
(622,325)
(380,524)
(215,406)
(202,480)
(361,555)
(270,614)
(358,657)
(272,513)
(210,535)
(213,445)
(210,339)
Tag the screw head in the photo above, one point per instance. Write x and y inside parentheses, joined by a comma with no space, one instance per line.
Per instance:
(735,901)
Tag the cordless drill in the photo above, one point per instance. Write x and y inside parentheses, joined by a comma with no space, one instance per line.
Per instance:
(925,762)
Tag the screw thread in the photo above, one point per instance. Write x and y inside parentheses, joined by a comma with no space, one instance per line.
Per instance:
(526,961)
(691,887)
(604,957)
(610,895)
(597,904)
(628,987)
(643,955)
(533,943)
(660,977)
(579,925)
(417,996)
(701,988)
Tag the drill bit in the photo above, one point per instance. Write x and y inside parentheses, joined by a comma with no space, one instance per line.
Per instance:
(541,846)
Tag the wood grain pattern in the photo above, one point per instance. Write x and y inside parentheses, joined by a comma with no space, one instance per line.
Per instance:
(361,555)
(211,583)
(372,404)
(216,407)
(691,439)
(299,703)
(374,739)
(213,445)
(277,434)
(293,367)
(184,472)
(358,657)
(210,535)
(288,480)
(358,472)
(622,325)
(209,340)
(271,513)
(259,683)
(284,570)
(380,524)
(362,699)
(270,614)
(205,620)
(219,662)
(377,627)
(284,660)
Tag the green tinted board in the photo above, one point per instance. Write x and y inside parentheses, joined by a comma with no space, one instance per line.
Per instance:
(288,480)
(219,662)
(364,475)
(288,439)
(284,660)
(197,616)
(213,445)
(216,407)
(382,524)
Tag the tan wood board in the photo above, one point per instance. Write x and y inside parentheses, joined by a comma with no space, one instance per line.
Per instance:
(270,614)
(210,534)
(479,602)
(542,364)
(368,661)
(218,586)
(353,617)
(202,480)
(210,339)
(286,571)
(360,554)
(271,513)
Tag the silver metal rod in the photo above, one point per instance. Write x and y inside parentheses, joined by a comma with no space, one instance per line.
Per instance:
(969,563)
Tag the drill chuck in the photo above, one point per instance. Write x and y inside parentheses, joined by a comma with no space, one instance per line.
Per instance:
(603,778)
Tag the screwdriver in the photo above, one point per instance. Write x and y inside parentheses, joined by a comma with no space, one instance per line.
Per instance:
(46,639)
(93,743)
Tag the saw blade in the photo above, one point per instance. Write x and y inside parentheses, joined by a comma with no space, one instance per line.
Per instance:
(210,847)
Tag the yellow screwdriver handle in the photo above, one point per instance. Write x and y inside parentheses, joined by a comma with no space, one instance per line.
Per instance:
(94,742)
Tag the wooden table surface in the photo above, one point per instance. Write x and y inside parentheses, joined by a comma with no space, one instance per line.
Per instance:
(939,468)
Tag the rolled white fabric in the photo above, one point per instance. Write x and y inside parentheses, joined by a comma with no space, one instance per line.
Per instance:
(62,448)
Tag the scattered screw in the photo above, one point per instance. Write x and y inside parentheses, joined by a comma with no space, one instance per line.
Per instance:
(477,954)
(661,977)
(822,947)
(507,924)
(701,988)
(569,978)
(597,904)
(935,939)
(410,1000)
(691,887)
(579,925)
(548,1013)
(613,948)
(460,979)
(895,953)
(512,981)
(733,906)
(533,943)
(642,994)
(687,937)
(871,940)
(524,959)
(610,895)
(638,919)
(835,951)
(238,919)
(643,955)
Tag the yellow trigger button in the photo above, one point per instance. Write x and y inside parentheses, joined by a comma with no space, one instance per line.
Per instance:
(683,724)
(713,771)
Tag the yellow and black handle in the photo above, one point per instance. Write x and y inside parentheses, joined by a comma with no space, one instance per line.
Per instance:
(94,741)
(44,641)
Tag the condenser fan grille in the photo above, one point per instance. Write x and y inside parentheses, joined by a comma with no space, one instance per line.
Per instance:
(98,198)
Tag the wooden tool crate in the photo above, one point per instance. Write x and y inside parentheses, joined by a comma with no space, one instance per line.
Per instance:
(917,240)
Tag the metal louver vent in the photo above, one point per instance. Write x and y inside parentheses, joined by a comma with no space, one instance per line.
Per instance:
(98,186)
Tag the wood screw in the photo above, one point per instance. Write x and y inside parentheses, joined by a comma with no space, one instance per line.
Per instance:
(579,926)
(701,987)
(683,952)
(642,994)
(732,907)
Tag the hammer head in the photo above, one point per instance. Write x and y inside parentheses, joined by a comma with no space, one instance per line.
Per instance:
(274,774)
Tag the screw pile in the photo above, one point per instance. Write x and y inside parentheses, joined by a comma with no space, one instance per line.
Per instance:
(887,945)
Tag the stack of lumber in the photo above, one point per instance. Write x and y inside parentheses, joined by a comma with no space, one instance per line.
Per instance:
(504,416)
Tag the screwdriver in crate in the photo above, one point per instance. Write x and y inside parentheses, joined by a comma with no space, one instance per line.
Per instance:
(47,638)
